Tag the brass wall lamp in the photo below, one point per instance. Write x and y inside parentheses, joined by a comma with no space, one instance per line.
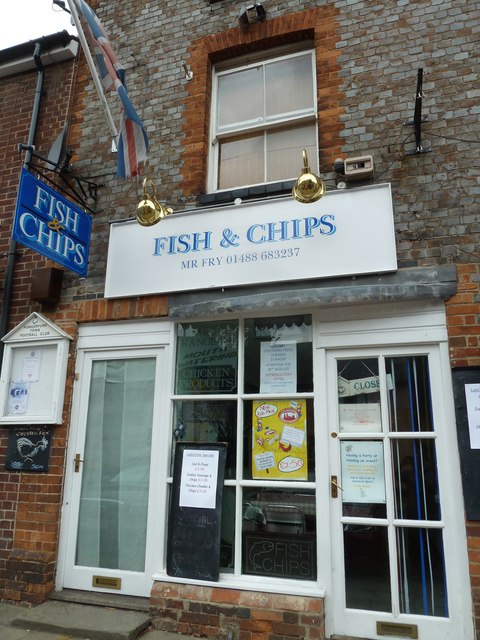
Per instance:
(308,187)
(150,210)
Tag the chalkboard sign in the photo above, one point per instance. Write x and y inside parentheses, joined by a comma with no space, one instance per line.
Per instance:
(193,548)
(469,458)
(28,449)
(280,555)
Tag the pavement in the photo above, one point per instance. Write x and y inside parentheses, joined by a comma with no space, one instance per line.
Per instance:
(54,620)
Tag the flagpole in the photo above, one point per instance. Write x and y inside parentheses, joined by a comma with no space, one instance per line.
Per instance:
(93,71)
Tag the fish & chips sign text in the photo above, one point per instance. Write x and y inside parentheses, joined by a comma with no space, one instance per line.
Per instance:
(254,243)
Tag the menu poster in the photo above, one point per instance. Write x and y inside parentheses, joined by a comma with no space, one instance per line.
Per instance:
(279,440)
(198,482)
(472,395)
(363,475)
(278,367)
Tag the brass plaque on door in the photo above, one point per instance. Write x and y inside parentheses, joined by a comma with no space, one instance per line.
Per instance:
(396,629)
(106,582)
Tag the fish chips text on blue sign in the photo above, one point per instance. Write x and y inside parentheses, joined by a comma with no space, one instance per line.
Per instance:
(51,225)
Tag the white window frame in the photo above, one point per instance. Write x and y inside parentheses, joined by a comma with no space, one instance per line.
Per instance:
(303,116)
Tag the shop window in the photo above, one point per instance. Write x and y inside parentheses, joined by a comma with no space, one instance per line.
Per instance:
(263,115)
(250,384)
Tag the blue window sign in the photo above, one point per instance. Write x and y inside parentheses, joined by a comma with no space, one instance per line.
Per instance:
(51,225)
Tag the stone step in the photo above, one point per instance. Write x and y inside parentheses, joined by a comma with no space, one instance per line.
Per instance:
(83,621)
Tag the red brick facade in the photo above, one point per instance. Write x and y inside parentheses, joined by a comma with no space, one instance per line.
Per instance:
(30,504)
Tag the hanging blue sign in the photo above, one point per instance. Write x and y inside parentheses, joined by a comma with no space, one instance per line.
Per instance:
(48,223)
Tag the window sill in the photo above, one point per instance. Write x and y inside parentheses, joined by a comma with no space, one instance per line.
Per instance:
(246,193)
(252,583)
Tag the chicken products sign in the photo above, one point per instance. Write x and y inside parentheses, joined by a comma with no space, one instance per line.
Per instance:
(49,224)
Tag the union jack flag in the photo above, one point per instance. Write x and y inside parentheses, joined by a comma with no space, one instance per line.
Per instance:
(133,140)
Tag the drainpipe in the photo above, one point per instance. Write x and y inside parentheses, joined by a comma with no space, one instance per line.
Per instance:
(12,251)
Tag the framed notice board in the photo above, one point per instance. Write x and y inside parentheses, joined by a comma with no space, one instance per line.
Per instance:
(193,547)
(466,391)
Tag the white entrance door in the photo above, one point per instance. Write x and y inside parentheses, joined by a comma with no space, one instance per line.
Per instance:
(397,521)
(110,536)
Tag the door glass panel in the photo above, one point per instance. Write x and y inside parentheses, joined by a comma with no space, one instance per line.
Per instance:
(359,396)
(367,575)
(116,467)
(415,480)
(363,478)
(410,407)
(421,572)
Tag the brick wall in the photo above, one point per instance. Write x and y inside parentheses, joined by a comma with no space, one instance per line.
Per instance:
(463,318)
(247,615)
(368,58)
(29,503)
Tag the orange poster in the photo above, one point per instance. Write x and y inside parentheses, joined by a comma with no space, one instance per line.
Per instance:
(279,440)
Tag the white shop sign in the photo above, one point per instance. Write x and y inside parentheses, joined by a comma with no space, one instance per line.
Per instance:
(345,233)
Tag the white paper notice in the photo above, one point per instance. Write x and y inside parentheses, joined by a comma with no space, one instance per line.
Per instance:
(472,395)
(31,366)
(363,476)
(278,367)
(18,398)
(264,460)
(360,418)
(293,436)
(198,484)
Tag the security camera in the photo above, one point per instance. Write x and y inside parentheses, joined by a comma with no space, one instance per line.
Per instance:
(252,13)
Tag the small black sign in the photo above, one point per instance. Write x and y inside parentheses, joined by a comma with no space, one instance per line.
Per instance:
(193,549)
(29,449)
(280,555)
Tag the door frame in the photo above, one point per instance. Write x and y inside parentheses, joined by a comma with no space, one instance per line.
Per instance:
(117,341)
(396,328)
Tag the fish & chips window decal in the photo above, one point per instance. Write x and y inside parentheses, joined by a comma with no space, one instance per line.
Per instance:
(279,440)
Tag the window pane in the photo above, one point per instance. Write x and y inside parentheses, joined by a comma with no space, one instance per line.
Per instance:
(227,540)
(415,479)
(240,97)
(289,85)
(367,575)
(276,448)
(410,405)
(284,341)
(284,152)
(207,421)
(241,161)
(206,358)
(421,569)
(359,396)
(278,532)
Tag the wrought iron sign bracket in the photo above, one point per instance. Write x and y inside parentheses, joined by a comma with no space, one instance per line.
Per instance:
(418,120)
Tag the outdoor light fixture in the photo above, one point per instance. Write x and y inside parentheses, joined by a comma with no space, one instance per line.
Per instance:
(308,187)
(149,210)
